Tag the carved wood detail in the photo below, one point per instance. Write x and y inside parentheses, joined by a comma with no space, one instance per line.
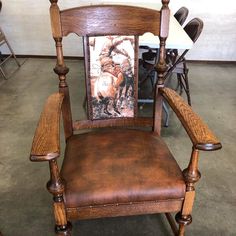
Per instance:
(61,70)
(83,20)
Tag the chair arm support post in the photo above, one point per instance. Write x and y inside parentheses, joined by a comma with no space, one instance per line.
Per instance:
(46,147)
(200,134)
(56,187)
(191,175)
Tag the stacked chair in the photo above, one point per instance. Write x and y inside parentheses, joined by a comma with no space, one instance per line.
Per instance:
(3,60)
(4,41)
(177,63)
(181,15)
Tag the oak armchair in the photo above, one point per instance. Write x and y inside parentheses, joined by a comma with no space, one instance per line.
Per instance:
(116,168)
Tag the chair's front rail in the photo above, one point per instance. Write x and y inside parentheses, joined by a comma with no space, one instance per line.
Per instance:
(125,209)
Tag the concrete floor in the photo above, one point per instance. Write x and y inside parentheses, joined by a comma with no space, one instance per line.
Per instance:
(25,204)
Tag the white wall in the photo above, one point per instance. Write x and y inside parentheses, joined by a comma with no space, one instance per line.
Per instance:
(27,26)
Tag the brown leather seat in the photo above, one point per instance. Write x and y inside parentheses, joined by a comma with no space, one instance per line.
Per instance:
(139,169)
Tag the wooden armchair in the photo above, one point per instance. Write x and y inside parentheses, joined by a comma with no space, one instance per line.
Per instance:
(116,168)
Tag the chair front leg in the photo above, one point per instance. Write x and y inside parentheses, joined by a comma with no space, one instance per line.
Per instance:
(56,187)
(191,176)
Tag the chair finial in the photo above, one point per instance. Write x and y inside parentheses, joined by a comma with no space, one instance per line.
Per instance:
(165,3)
(53,1)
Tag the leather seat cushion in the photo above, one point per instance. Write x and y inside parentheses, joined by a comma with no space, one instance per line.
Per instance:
(119,166)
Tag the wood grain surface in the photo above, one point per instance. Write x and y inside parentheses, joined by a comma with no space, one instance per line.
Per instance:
(199,133)
(109,20)
(46,142)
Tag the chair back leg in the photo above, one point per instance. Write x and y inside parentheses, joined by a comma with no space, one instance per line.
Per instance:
(12,52)
(2,72)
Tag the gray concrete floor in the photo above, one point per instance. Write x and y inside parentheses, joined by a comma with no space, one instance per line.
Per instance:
(25,204)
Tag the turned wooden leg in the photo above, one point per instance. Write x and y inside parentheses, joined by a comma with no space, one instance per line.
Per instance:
(56,187)
(182,220)
(62,227)
(191,176)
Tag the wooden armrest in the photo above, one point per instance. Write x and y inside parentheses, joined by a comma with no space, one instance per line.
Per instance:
(46,142)
(199,133)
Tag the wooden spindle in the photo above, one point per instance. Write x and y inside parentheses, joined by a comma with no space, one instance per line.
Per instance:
(165,3)
(53,1)
(61,70)
(56,187)
(161,66)
(191,175)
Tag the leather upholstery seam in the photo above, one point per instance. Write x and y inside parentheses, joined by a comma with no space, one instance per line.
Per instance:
(124,204)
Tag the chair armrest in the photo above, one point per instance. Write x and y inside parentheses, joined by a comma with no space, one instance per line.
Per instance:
(46,142)
(199,133)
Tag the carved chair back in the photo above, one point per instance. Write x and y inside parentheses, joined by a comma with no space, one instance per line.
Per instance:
(110,41)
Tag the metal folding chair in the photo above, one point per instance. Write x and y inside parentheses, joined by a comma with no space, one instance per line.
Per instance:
(178,62)
(3,40)
(181,15)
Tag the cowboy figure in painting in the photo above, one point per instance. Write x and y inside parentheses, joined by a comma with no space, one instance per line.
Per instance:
(128,83)
(111,71)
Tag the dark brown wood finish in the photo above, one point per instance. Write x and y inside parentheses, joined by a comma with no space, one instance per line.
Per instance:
(153,182)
